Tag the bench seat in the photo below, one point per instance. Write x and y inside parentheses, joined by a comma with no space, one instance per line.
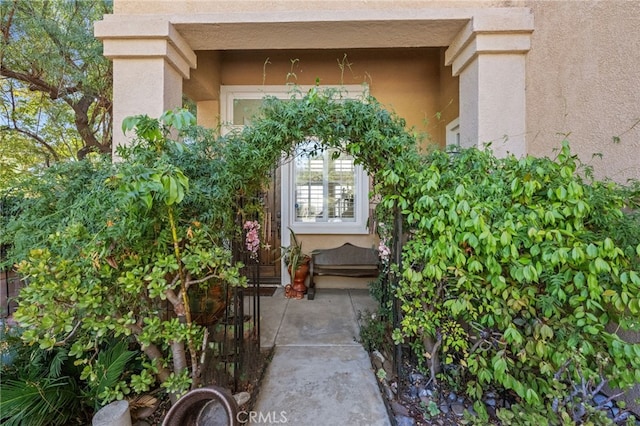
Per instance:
(344,261)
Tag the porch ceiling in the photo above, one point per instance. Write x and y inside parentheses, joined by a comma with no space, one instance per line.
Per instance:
(317,29)
(304,29)
(319,34)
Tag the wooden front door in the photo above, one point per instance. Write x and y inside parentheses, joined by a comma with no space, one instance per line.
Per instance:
(270,253)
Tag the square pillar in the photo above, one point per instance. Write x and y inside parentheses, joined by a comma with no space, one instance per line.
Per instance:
(490,62)
(150,62)
(146,86)
(492,104)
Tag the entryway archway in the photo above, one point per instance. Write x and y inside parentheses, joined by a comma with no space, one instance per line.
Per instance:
(325,119)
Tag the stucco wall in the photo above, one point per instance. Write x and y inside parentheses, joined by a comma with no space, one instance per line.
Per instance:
(581,70)
(407,81)
(583,80)
(205,6)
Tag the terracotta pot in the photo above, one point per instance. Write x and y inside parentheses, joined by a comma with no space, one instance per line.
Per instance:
(298,287)
(300,278)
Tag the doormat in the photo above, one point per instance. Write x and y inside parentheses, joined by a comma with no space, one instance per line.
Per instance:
(262,291)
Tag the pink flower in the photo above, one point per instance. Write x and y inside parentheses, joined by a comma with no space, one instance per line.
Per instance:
(383,251)
(252,238)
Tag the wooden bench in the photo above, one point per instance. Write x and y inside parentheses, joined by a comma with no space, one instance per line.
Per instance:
(344,261)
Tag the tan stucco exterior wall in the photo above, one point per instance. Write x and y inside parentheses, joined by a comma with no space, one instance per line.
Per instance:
(479,35)
(583,80)
(405,81)
(581,74)
(234,6)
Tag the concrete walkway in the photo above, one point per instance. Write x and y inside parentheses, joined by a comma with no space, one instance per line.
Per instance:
(319,375)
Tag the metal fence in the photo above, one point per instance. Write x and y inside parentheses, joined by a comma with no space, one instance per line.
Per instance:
(10,285)
(233,356)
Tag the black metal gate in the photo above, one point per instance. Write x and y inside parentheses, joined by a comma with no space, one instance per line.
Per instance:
(234,357)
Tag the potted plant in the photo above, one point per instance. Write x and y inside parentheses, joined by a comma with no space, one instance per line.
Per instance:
(297,262)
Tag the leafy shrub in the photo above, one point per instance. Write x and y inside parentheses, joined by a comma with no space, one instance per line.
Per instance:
(38,382)
(514,269)
(373,331)
(111,251)
(63,195)
(107,247)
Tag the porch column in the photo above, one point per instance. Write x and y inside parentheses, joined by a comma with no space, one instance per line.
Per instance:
(489,57)
(150,62)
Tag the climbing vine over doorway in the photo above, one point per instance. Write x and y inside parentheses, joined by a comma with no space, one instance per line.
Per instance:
(374,137)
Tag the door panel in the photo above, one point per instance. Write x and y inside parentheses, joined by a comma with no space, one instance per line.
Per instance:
(270,253)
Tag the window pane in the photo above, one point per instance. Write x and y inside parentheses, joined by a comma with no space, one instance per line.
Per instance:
(325,182)
(244,110)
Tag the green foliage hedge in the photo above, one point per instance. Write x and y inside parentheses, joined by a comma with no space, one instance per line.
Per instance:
(514,271)
(106,247)
(113,252)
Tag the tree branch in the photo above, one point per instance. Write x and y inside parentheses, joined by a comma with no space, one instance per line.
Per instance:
(34,137)
(203,359)
(172,297)
(35,83)
(154,354)
(6,28)
(201,280)
(81,109)
(434,358)
(70,335)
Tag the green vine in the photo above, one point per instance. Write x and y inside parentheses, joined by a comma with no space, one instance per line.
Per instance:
(513,269)
(512,272)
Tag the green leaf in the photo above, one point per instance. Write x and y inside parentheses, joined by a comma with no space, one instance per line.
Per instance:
(36,401)
(129,123)
(532,397)
(546,331)
(512,335)
(148,200)
(592,251)
(172,192)
(499,367)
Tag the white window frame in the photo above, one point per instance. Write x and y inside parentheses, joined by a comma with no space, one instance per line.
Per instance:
(227,96)
(453,132)
(361,206)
